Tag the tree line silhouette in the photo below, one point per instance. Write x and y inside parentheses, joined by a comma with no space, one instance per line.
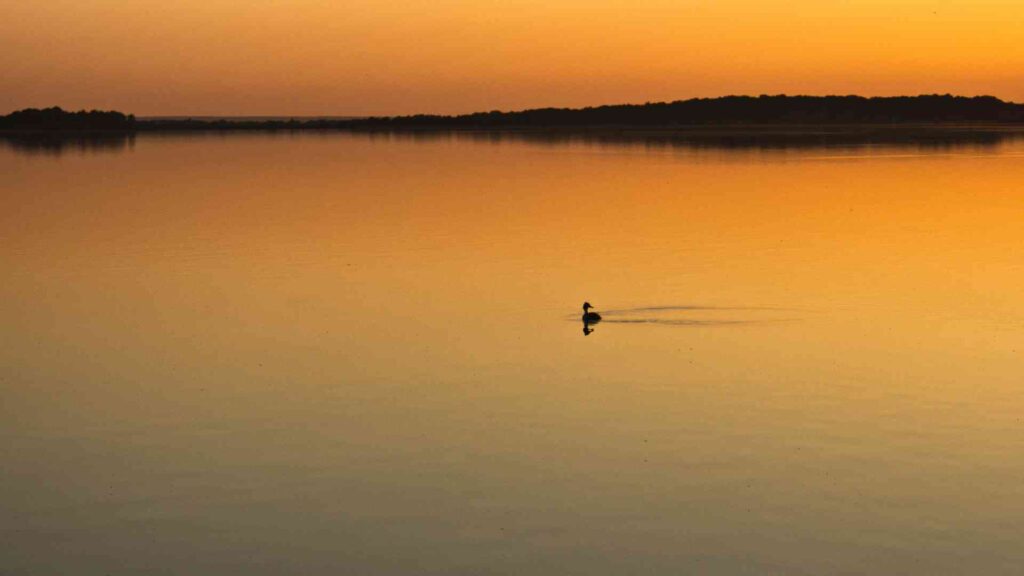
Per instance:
(724,111)
(734,110)
(57,119)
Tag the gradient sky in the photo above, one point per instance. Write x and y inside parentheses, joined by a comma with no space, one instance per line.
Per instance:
(358,57)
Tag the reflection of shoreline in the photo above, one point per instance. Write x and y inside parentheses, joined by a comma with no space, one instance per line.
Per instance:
(922,137)
(925,137)
(58,143)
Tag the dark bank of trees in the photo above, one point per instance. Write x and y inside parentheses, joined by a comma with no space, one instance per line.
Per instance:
(58,120)
(725,111)
(733,110)
(728,111)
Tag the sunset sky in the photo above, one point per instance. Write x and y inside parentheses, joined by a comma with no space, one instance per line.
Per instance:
(360,57)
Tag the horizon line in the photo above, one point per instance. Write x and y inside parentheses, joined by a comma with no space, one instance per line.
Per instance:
(335,116)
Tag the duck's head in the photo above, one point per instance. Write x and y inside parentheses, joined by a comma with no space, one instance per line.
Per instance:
(586,306)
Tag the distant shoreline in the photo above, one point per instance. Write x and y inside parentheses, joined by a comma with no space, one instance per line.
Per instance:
(782,114)
(772,122)
(146,126)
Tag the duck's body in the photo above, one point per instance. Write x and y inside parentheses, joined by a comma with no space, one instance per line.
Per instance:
(589,316)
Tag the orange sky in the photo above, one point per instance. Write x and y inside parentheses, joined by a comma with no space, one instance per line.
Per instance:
(309,57)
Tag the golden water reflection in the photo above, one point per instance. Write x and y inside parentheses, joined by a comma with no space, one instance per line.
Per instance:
(257,354)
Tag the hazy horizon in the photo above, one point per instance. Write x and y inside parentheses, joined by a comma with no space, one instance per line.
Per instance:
(310,58)
(339,116)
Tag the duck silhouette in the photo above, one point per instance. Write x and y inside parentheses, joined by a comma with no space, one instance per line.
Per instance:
(589,318)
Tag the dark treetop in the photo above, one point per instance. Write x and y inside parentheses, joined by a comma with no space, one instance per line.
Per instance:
(56,119)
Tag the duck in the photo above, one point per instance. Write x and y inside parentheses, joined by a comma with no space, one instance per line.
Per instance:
(589,316)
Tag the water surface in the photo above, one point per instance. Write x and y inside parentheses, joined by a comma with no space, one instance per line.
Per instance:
(329,353)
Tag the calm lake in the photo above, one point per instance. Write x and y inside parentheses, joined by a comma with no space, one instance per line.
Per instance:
(352,354)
